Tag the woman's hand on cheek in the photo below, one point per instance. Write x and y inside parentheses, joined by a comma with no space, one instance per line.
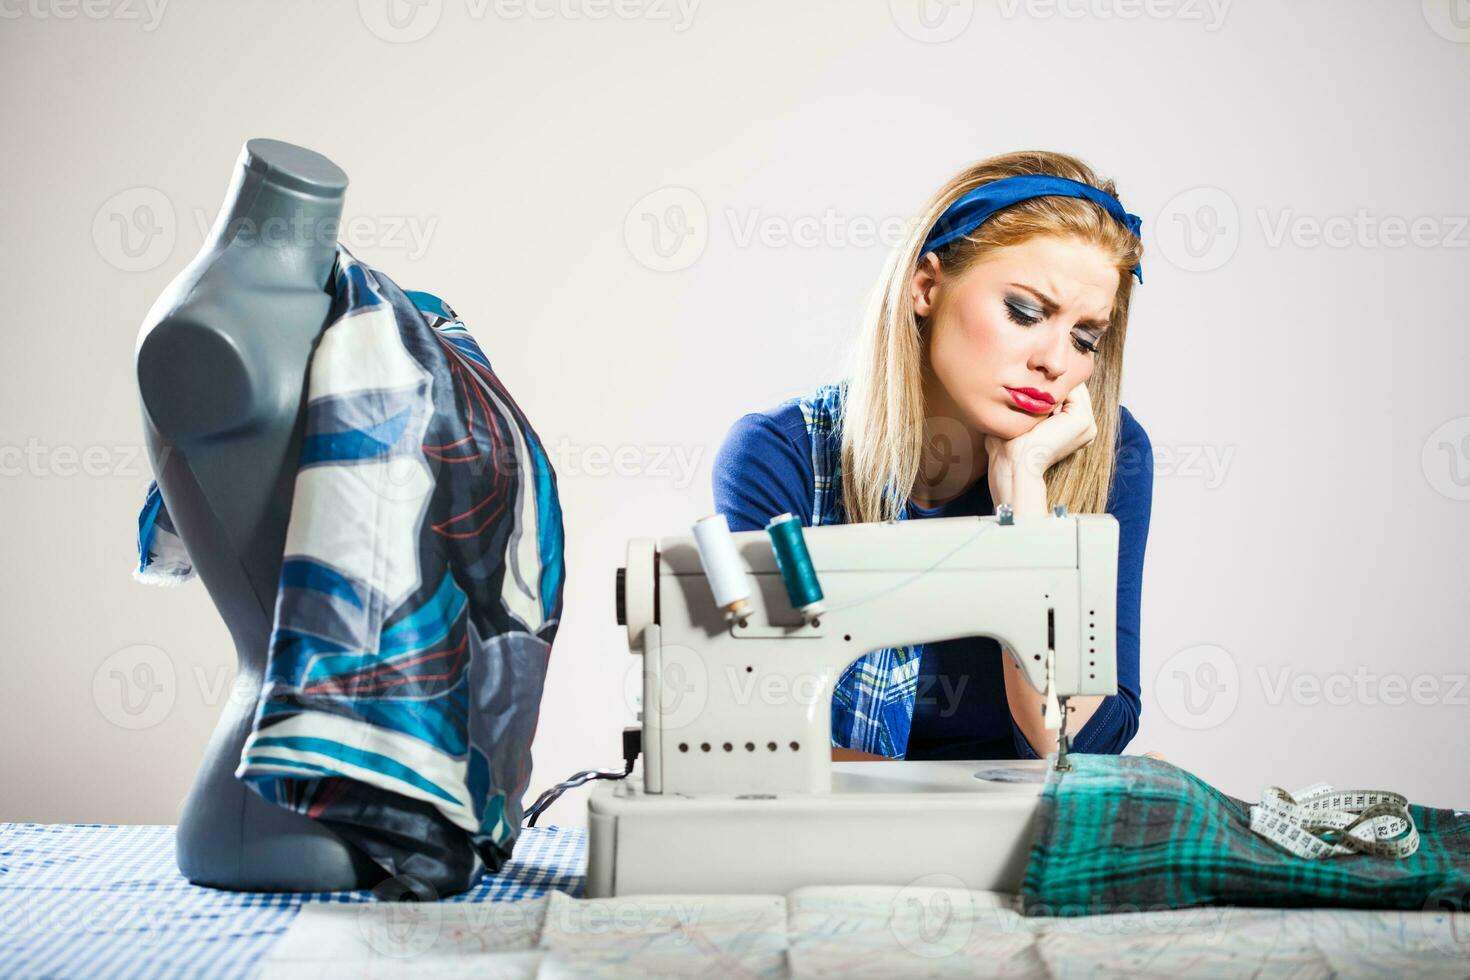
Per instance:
(1067,429)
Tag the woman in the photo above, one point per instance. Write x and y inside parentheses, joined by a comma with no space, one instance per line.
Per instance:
(988,372)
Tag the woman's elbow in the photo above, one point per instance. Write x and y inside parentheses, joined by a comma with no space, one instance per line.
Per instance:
(1117,724)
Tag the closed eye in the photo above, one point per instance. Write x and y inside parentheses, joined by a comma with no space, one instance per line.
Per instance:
(1023,315)
(1029,317)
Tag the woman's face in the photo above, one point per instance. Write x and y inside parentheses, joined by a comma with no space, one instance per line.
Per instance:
(1022,317)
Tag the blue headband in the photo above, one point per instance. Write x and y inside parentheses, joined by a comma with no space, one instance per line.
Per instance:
(967,213)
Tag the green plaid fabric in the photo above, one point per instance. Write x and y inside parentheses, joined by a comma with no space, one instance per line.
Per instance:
(1128,833)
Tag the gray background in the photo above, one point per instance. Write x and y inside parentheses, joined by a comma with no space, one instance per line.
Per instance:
(1297,352)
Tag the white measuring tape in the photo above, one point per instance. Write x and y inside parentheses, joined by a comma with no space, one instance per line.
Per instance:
(1362,822)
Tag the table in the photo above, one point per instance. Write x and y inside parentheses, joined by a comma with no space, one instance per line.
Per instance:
(107,900)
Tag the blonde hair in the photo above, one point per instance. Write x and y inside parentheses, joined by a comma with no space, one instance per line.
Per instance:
(883,408)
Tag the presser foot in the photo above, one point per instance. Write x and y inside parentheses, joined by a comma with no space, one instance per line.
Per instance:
(1062,765)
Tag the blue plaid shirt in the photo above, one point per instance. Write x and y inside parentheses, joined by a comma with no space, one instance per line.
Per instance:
(873,704)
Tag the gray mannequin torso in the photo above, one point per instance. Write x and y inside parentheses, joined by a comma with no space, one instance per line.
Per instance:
(222,361)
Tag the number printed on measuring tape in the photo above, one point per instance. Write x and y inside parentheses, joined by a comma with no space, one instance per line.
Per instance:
(1318,821)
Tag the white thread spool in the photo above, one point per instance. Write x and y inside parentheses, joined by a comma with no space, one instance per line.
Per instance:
(722,565)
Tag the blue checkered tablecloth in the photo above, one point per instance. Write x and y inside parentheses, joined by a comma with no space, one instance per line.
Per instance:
(91,900)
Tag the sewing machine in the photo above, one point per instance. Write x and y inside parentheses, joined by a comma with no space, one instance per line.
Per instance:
(738,790)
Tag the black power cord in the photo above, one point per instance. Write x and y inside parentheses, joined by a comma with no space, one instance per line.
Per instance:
(632,745)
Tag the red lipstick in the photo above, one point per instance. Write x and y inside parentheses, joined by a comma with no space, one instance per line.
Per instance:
(1031,400)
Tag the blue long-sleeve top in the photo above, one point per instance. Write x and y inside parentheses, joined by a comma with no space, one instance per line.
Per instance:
(764,468)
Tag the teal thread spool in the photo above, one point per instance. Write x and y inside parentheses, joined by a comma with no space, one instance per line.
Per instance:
(795,563)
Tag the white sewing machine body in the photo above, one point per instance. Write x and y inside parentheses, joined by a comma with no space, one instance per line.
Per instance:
(739,793)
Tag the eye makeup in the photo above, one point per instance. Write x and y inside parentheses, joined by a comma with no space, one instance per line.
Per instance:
(1027,316)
